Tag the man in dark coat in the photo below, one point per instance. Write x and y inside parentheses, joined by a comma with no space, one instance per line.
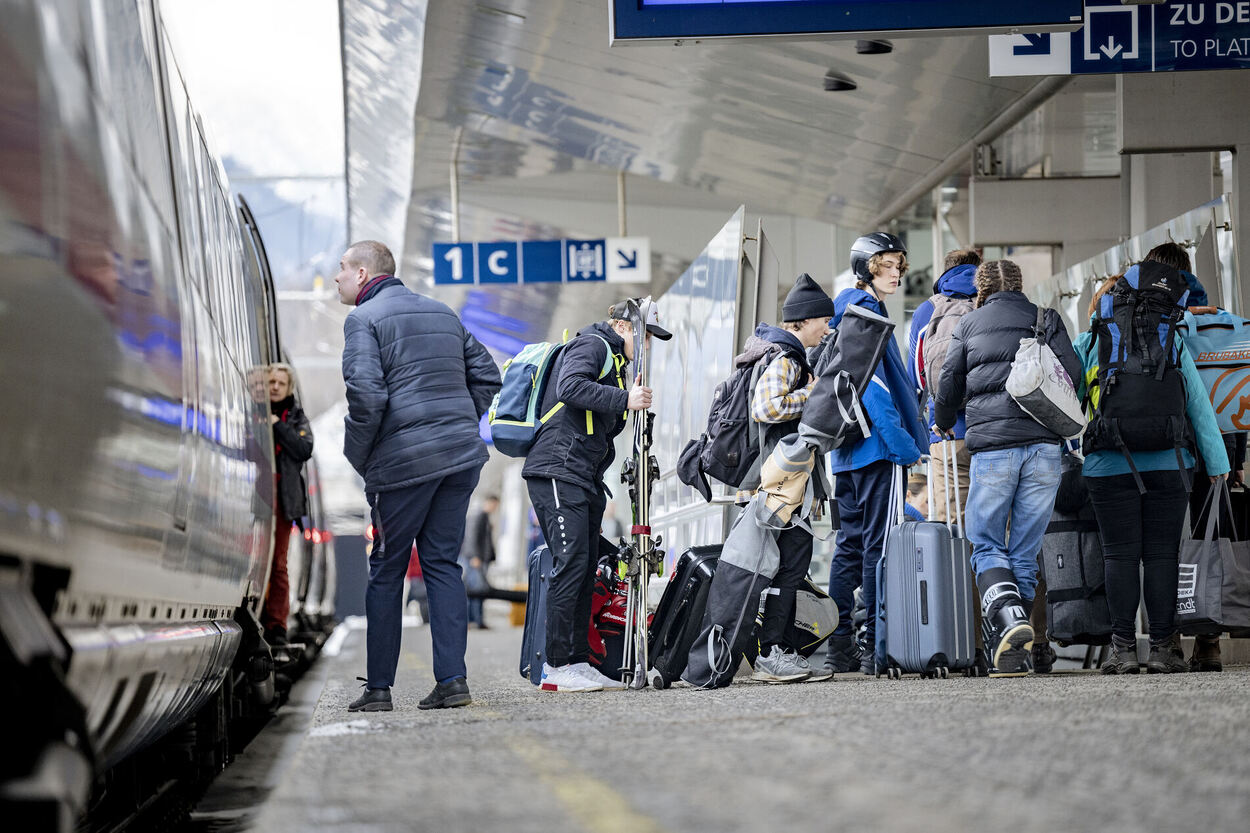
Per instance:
(564,474)
(418,384)
(292,448)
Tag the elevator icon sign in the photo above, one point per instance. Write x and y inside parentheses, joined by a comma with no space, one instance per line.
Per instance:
(585,260)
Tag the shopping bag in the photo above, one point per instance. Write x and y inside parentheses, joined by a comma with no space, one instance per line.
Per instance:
(1213,582)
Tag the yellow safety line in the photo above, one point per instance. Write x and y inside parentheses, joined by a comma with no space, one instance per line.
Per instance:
(593,803)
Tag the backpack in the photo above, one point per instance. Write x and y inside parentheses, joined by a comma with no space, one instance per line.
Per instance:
(732,441)
(1139,400)
(937,336)
(514,417)
(1219,343)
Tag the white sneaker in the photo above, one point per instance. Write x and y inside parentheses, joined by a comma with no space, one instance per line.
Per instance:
(596,676)
(565,678)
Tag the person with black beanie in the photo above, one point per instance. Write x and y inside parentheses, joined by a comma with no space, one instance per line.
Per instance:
(776,404)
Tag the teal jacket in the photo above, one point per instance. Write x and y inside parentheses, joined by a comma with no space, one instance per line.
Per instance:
(1197,408)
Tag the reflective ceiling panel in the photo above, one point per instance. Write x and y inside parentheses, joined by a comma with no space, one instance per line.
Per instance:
(532,89)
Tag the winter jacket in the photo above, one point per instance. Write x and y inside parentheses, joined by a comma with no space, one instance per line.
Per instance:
(953,283)
(768,399)
(575,446)
(977,364)
(293,446)
(890,402)
(1197,408)
(417,385)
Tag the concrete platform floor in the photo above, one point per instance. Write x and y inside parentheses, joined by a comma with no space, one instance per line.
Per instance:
(1073,751)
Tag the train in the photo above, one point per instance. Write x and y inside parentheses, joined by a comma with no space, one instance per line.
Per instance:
(137,321)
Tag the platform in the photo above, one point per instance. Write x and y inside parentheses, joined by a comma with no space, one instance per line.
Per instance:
(1071,751)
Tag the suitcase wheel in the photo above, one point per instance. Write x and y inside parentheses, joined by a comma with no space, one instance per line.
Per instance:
(894,673)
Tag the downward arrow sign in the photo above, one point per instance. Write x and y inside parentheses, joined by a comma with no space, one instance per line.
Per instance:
(1111,49)
(628,261)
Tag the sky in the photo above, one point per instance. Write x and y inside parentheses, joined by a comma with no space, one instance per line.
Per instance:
(266,78)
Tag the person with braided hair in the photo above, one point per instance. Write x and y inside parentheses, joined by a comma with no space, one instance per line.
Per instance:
(1015,460)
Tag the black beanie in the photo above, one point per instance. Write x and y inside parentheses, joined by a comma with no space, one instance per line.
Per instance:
(806,300)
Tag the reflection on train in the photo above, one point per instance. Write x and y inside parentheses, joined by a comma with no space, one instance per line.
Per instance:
(136,465)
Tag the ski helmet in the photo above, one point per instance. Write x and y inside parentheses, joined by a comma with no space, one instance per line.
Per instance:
(869,245)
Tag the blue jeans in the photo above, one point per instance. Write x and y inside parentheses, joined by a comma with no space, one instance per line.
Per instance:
(431,514)
(1016,486)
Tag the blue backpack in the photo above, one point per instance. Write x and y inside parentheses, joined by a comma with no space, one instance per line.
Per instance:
(514,416)
(1140,400)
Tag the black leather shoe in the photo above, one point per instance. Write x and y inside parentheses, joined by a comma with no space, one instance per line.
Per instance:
(448,695)
(373,700)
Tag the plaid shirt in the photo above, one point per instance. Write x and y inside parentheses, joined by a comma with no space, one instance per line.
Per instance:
(775,398)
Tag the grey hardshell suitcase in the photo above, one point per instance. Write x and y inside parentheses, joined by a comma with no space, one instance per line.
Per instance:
(924,590)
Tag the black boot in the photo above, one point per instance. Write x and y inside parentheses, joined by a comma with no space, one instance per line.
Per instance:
(842,655)
(1166,656)
(1008,634)
(1123,659)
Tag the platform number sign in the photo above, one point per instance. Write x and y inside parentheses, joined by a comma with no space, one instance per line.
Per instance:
(612,259)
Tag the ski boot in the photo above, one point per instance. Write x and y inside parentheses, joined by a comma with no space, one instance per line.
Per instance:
(1005,623)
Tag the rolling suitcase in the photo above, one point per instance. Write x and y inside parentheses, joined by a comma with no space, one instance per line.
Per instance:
(680,613)
(924,598)
(534,635)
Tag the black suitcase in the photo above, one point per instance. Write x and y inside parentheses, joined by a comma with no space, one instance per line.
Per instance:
(534,635)
(680,614)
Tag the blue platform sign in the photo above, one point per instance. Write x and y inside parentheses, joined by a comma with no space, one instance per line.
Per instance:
(613,259)
(634,21)
(1167,37)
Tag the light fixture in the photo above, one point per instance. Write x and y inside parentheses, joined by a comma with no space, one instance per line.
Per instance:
(836,82)
(873,47)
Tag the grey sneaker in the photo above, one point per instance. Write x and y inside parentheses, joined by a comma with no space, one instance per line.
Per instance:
(781,666)
(1166,656)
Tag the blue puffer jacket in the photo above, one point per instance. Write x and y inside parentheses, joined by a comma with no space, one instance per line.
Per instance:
(956,282)
(897,432)
(417,385)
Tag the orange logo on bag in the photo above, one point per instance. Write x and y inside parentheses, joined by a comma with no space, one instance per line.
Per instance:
(1240,420)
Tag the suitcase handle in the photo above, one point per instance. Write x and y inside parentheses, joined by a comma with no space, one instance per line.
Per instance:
(949,475)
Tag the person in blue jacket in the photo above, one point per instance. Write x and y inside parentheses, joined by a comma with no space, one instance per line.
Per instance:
(1141,528)
(865,469)
(934,321)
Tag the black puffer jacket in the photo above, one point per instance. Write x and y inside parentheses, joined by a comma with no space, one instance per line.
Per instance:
(417,384)
(293,446)
(978,361)
(569,448)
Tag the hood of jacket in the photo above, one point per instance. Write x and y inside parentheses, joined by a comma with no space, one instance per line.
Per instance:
(608,333)
(957,281)
(858,297)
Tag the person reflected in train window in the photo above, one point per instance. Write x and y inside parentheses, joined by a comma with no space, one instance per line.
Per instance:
(1015,459)
(564,474)
(418,384)
(865,469)
(292,447)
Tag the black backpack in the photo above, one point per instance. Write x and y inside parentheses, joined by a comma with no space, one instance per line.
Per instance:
(732,441)
(1140,400)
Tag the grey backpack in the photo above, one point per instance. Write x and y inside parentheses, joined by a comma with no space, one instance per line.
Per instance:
(937,336)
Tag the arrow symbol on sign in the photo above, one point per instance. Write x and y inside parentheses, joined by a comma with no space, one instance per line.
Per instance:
(628,261)
(1111,48)
(1037,45)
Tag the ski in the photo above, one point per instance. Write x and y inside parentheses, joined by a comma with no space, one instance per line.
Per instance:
(640,555)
